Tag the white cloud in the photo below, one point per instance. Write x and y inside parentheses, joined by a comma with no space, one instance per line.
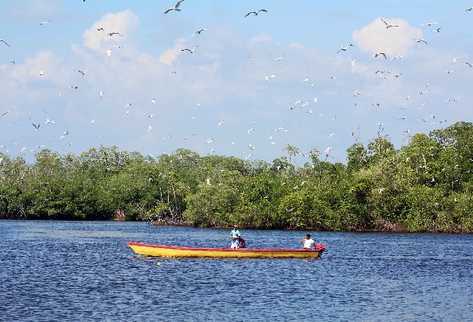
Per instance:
(124,22)
(375,37)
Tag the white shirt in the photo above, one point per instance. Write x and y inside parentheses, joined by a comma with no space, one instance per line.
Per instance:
(309,243)
(235,233)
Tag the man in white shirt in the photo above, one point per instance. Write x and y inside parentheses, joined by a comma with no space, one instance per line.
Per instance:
(308,242)
(235,235)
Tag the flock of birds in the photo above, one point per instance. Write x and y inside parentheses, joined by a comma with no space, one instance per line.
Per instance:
(304,105)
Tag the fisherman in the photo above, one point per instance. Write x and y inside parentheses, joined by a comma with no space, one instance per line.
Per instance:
(308,242)
(235,236)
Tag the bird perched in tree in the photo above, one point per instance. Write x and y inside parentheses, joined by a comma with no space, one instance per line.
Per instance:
(176,7)
(255,13)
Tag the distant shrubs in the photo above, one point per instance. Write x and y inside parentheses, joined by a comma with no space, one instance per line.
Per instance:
(425,186)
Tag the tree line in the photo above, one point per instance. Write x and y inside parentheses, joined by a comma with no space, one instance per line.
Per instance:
(426,185)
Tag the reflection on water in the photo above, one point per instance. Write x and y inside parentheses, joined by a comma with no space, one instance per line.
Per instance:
(84,271)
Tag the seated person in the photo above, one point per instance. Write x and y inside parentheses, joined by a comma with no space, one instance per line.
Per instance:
(308,242)
(241,242)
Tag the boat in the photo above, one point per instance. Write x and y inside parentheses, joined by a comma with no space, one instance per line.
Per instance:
(147,249)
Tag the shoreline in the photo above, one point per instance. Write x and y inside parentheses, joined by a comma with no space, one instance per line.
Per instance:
(229,226)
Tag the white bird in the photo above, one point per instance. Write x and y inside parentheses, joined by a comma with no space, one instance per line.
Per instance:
(176,7)
(49,122)
(389,25)
(345,48)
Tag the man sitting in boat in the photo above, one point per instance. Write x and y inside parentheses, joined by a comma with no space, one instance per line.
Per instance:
(236,238)
(308,242)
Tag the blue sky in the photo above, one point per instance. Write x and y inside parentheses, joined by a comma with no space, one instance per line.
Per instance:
(252,85)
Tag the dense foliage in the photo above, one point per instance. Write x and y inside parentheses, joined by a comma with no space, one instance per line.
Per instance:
(425,186)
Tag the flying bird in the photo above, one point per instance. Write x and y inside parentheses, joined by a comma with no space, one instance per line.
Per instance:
(100,29)
(81,72)
(255,13)
(115,33)
(469,64)
(389,25)
(187,50)
(345,48)
(381,54)
(5,43)
(422,41)
(199,31)
(469,9)
(4,114)
(36,126)
(175,7)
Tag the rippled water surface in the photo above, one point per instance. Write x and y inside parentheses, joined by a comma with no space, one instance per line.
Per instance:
(84,271)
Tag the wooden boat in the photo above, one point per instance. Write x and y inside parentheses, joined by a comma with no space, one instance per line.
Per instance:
(176,251)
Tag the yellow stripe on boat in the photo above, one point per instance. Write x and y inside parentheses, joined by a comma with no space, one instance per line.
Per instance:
(175,251)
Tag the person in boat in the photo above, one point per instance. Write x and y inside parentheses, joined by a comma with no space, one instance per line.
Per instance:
(308,242)
(236,237)
(241,242)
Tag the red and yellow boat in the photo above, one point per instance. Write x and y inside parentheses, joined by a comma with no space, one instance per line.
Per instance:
(177,251)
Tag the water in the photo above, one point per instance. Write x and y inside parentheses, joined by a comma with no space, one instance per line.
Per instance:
(84,271)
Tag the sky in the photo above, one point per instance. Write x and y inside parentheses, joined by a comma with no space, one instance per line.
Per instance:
(76,75)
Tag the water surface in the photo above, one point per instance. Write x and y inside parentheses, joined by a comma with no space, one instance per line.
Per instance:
(84,271)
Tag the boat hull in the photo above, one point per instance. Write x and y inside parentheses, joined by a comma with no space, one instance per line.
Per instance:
(174,251)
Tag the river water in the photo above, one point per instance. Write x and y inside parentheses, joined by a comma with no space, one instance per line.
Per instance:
(84,271)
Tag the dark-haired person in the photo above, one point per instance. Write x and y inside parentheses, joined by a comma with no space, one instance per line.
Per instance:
(308,242)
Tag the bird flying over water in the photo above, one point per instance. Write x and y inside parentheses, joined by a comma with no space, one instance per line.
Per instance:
(255,13)
(175,7)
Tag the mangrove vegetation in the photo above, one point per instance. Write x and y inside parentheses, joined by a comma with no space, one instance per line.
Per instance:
(426,185)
